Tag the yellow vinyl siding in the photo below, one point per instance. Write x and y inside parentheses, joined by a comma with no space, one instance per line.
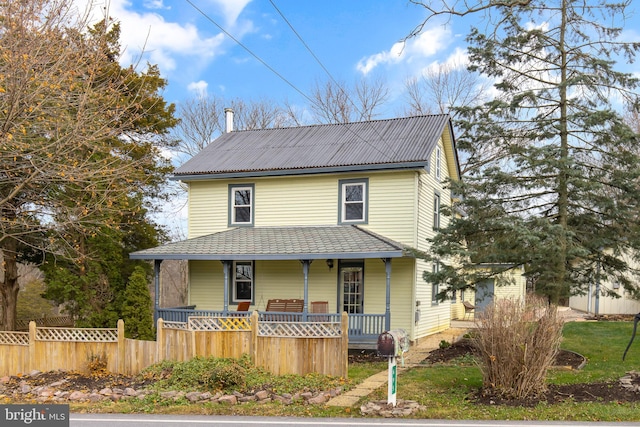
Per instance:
(208,207)
(392,205)
(308,200)
(206,284)
(272,279)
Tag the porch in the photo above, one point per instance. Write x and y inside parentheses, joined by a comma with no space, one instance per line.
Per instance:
(254,264)
(364,329)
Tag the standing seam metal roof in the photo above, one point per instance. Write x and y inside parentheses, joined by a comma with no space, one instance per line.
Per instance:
(377,142)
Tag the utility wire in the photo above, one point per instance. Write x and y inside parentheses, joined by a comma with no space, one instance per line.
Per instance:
(250,52)
(328,73)
(312,101)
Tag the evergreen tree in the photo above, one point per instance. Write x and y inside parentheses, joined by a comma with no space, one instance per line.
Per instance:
(80,147)
(562,198)
(136,311)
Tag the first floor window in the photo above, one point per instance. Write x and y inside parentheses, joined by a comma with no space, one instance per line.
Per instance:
(435,287)
(242,281)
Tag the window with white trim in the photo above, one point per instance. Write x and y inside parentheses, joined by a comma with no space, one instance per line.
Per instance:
(435,287)
(241,205)
(353,201)
(242,286)
(438,156)
(436,211)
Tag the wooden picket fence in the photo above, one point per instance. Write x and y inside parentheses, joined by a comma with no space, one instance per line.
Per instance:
(280,347)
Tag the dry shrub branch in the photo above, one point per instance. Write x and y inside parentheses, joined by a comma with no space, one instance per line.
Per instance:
(518,343)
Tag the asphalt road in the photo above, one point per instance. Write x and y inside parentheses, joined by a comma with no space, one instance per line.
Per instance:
(141,420)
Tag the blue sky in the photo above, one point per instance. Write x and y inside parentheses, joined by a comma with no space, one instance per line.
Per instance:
(352,38)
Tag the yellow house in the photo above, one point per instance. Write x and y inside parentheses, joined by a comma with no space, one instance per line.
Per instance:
(320,213)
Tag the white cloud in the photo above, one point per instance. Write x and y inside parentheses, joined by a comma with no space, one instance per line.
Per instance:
(231,9)
(154,4)
(161,41)
(199,87)
(425,45)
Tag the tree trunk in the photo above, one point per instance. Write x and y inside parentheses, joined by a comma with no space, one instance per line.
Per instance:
(9,286)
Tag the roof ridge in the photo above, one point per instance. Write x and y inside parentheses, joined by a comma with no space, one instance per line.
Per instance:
(316,125)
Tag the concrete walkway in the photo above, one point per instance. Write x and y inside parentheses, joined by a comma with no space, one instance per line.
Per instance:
(416,354)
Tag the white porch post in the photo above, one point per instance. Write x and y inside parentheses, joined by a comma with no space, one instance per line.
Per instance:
(387,311)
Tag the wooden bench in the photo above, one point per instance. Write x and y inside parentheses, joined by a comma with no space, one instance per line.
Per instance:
(284,306)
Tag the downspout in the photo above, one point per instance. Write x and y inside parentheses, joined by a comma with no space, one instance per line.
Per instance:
(156,280)
(225,292)
(387,310)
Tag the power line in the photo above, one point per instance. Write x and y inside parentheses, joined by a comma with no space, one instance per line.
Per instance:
(250,51)
(291,84)
(328,73)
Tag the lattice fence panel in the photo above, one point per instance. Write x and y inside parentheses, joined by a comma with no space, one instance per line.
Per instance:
(219,323)
(175,325)
(17,338)
(77,334)
(299,330)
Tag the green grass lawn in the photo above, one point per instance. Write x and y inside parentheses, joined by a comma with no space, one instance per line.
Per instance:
(445,390)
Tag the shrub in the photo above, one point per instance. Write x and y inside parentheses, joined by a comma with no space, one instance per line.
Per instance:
(517,345)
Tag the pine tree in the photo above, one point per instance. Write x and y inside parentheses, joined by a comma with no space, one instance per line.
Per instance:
(562,198)
(137,313)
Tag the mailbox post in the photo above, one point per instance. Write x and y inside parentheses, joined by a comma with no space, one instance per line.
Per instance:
(392,344)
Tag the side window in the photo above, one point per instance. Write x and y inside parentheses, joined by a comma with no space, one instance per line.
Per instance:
(241,205)
(435,288)
(242,286)
(438,156)
(353,201)
(436,211)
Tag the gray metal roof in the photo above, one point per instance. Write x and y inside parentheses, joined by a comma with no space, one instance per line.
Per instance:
(280,243)
(400,142)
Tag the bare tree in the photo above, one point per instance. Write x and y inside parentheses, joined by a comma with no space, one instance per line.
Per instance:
(77,134)
(202,120)
(444,87)
(448,88)
(335,102)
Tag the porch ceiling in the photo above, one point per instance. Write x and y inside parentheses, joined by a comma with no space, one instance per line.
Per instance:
(280,243)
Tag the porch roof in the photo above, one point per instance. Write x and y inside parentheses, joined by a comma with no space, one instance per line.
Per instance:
(280,243)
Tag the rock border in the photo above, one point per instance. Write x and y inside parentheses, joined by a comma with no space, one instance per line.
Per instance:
(51,393)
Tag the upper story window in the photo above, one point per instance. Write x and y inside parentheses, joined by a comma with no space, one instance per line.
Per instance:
(353,201)
(438,167)
(436,211)
(241,204)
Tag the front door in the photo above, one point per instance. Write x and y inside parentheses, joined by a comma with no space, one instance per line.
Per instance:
(351,278)
(484,294)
